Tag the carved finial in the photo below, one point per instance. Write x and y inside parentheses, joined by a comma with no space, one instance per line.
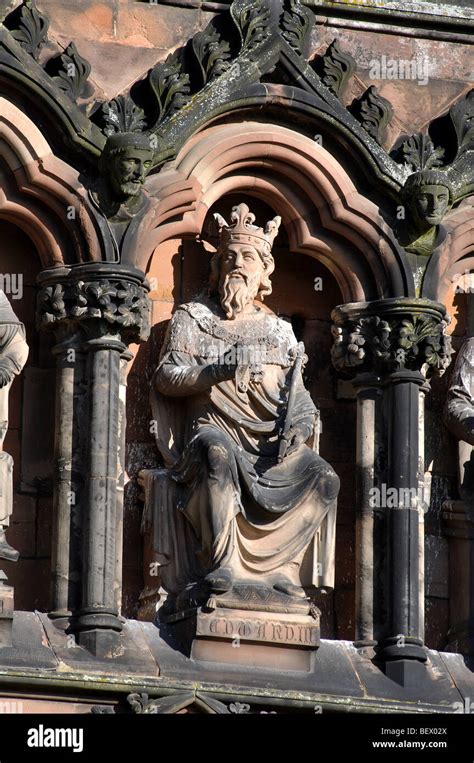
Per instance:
(169,87)
(420,154)
(373,112)
(122,115)
(73,74)
(297,23)
(252,20)
(336,68)
(32,28)
(212,54)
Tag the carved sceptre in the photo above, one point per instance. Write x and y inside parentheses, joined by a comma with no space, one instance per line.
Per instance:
(297,366)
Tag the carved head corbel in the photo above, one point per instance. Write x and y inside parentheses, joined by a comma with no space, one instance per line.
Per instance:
(123,166)
(428,196)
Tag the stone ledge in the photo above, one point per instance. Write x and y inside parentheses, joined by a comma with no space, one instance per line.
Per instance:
(340,679)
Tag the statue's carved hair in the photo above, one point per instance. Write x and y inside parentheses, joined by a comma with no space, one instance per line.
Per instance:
(121,143)
(427,177)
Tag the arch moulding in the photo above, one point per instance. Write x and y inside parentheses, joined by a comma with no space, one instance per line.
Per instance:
(323,213)
(42,194)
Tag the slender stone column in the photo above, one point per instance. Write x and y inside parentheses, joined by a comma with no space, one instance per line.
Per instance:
(400,341)
(125,358)
(424,492)
(98,618)
(368,405)
(405,638)
(105,306)
(69,466)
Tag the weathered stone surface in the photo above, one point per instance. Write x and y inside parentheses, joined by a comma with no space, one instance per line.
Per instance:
(31,579)
(44,529)
(448,67)
(345,569)
(260,572)
(21,535)
(122,41)
(298,630)
(37,463)
(436,567)
(344,604)
(437,623)
(6,615)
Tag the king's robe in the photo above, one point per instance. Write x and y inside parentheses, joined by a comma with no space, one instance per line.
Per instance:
(233,502)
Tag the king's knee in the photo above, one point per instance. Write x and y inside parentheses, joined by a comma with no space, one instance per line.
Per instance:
(329,484)
(217,458)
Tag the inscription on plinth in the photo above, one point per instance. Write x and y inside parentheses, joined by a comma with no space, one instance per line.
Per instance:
(6,615)
(297,630)
(256,639)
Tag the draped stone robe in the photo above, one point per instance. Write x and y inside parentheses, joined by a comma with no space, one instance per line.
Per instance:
(232,502)
(459,415)
(13,356)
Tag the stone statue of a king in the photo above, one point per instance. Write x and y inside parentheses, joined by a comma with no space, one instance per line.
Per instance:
(13,356)
(247,496)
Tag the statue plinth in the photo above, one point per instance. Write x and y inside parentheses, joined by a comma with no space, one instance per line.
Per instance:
(256,639)
(6,615)
(252,625)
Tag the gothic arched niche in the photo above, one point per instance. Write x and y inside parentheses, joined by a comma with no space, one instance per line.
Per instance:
(304,291)
(31,416)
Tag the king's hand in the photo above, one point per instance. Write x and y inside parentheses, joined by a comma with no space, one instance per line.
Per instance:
(227,364)
(297,435)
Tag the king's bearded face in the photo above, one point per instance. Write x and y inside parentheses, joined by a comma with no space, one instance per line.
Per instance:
(240,278)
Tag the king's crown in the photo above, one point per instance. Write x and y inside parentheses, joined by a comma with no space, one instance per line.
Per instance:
(242,229)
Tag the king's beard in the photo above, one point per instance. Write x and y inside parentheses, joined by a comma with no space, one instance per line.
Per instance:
(237,292)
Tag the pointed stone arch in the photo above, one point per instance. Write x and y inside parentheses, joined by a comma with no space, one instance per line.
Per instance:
(324,215)
(42,194)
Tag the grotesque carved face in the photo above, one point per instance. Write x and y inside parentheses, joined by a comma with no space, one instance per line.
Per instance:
(240,277)
(128,171)
(430,204)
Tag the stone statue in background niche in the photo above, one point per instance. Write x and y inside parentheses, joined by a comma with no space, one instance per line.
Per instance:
(13,356)
(459,416)
(246,497)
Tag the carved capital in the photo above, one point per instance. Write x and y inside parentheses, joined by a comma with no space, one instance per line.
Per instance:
(98,298)
(391,335)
